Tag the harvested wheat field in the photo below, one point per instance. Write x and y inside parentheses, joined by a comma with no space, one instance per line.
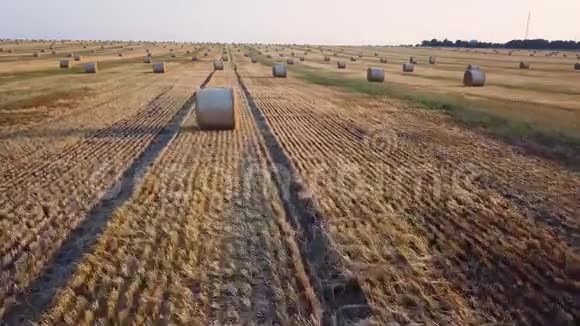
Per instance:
(323,206)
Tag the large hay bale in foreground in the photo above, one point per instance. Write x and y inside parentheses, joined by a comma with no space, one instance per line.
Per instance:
(218,65)
(214,108)
(159,67)
(474,78)
(147,60)
(341,64)
(279,70)
(78,57)
(91,68)
(408,67)
(376,75)
(524,65)
(64,64)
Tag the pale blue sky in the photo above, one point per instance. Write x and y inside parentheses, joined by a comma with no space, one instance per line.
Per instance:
(296,21)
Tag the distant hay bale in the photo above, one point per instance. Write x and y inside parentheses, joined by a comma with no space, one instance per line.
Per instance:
(376,54)
(281,55)
(225,58)
(432,60)
(326,58)
(149,54)
(376,75)
(301,58)
(292,54)
(92,51)
(360,55)
(159,67)
(474,78)
(253,60)
(194,58)
(91,68)
(269,56)
(218,65)
(205,54)
(78,57)
(408,67)
(214,108)
(279,70)
(187,52)
(173,55)
(413,60)
(290,61)
(352,59)
(53,52)
(35,54)
(524,65)
(64,64)
(10,51)
(472,67)
(383,60)
(341,64)
(147,60)
(120,54)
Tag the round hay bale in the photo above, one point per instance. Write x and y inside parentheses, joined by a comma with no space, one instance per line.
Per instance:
(383,60)
(281,55)
(10,51)
(376,75)
(352,59)
(225,58)
(91,68)
(35,54)
(149,54)
(341,64)
(290,61)
(53,52)
(187,52)
(279,70)
(147,60)
(205,54)
(159,67)
(253,60)
(173,55)
(292,54)
(120,54)
(408,67)
(524,65)
(218,65)
(64,64)
(301,58)
(472,67)
(78,57)
(412,60)
(474,78)
(376,54)
(42,50)
(269,56)
(194,58)
(214,108)
(577,66)
(432,60)
(326,58)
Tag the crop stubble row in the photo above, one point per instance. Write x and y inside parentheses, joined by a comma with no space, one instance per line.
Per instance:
(430,238)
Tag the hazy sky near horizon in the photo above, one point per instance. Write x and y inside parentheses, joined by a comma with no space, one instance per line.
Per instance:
(297,21)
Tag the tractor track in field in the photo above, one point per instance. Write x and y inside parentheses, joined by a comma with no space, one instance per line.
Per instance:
(341,296)
(39,293)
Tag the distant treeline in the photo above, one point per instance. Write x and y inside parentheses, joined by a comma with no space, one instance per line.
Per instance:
(538,44)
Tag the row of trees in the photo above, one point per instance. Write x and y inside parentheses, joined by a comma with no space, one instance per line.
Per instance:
(538,44)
